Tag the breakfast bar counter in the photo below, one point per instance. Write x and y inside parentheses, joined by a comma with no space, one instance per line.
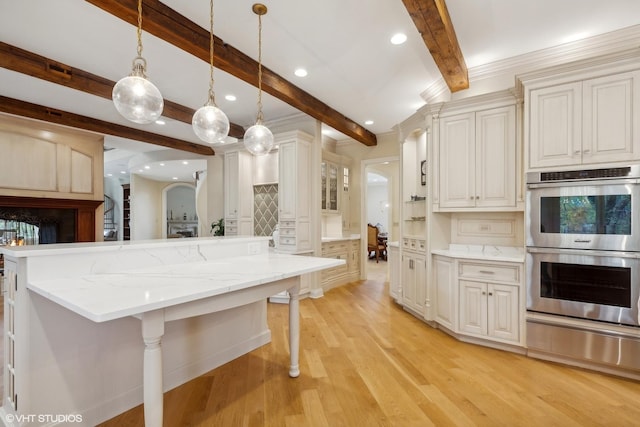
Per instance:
(69,312)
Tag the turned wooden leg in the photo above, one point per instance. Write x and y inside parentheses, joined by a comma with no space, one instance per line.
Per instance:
(294,330)
(152,332)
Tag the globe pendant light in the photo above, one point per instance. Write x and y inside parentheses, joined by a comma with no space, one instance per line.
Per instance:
(135,97)
(258,139)
(210,123)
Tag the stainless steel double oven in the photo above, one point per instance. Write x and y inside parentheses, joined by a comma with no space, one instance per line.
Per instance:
(583,244)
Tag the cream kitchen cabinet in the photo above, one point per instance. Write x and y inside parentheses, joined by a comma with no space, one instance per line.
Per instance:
(414,275)
(294,190)
(446,292)
(238,193)
(585,122)
(477,160)
(345,249)
(490,301)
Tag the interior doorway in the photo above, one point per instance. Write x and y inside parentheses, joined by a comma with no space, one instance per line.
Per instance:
(179,211)
(380,207)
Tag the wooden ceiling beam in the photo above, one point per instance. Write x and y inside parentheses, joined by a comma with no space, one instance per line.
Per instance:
(432,20)
(168,25)
(64,118)
(25,62)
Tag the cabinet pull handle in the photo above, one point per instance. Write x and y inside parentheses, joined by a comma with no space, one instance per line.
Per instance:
(487,272)
(576,152)
(586,151)
(490,294)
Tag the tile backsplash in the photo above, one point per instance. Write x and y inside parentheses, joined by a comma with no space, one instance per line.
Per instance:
(265,209)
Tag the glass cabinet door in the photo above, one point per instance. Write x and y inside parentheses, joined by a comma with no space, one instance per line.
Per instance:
(323,180)
(333,187)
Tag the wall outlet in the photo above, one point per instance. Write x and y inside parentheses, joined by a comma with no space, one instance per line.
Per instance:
(254,248)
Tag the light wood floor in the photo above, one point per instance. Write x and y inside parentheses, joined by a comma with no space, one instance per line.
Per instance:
(366,362)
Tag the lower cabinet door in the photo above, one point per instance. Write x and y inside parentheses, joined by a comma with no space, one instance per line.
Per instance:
(473,307)
(503,320)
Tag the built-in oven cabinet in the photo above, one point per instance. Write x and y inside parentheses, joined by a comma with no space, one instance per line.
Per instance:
(477,158)
(583,116)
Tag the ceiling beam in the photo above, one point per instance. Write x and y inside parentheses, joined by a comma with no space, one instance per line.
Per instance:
(432,20)
(168,25)
(64,118)
(25,62)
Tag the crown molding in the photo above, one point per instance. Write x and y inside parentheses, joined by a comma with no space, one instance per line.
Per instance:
(615,41)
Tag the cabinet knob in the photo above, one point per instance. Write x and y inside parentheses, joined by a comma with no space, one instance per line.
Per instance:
(490,294)
(477,197)
(484,293)
(471,198)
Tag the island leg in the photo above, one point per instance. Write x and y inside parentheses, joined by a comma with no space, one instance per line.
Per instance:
(294,329)
(152,332)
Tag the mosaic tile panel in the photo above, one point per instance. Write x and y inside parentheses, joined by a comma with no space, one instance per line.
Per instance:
(265,208)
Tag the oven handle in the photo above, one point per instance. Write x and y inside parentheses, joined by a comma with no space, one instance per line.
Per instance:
(580,183)
(588,252)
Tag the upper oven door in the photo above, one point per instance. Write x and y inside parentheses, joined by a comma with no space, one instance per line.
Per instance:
(601,215)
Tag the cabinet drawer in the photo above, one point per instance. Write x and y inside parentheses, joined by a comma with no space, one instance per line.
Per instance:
(289,224)
(502,273)
(287,240)
(287,231)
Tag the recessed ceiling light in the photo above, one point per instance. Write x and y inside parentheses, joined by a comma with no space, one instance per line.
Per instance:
(184,162)
(230,97)
(123,172)
(161,164)
(147,167)
(175,178)
(109,174)
(140,170)
(160,122)
(398,38)
(368,122)
(300,72)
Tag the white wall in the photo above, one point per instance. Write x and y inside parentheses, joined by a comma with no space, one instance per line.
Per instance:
(378,205)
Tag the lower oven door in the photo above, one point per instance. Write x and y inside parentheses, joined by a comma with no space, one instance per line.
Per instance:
(597,285)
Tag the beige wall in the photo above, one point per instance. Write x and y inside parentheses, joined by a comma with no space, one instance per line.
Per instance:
(146,208)
(388,146)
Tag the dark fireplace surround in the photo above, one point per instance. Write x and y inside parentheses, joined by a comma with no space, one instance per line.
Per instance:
(82,211)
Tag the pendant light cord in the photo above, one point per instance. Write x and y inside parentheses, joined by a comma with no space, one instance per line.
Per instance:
(139,31)
(259,117)
(212,96)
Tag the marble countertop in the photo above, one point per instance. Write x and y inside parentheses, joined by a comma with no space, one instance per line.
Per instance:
(110,246)
(103,297)
(340,238)
(483,252)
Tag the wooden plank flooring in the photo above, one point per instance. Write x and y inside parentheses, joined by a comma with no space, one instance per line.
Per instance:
(366,362)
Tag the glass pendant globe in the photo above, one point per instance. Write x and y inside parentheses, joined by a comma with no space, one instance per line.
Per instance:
(137,99)
(258,140)
(210,124)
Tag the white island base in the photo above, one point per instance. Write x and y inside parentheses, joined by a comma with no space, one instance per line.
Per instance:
(74,316)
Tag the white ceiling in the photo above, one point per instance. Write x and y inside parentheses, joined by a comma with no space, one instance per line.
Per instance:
(344,45)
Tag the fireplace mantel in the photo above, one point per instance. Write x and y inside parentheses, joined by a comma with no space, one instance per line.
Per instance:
(85,211)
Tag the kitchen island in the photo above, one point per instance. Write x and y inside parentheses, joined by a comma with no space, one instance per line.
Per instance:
(75,315)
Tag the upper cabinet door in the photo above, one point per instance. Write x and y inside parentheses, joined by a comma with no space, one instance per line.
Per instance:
(555,128)
(609,118)
(496,157)
(585,122)
(457,161)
